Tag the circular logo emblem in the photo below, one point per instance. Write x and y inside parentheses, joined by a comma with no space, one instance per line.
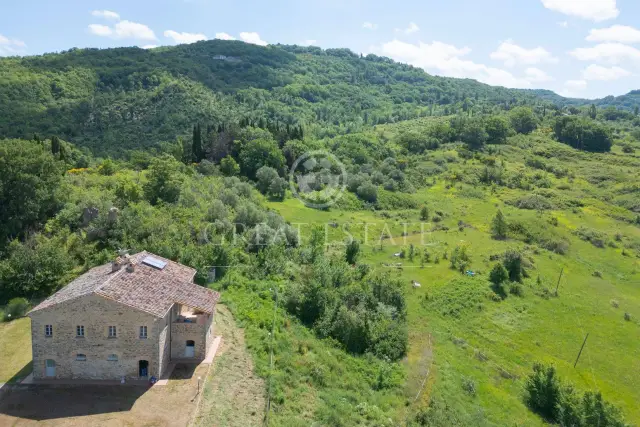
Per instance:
(318,179)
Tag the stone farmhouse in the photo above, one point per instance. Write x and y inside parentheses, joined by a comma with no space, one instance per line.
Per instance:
(128,318)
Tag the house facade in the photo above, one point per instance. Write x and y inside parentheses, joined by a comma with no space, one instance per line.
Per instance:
(128,319)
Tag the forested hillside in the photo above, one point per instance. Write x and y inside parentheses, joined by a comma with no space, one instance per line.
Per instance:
(480,234)
(117,99)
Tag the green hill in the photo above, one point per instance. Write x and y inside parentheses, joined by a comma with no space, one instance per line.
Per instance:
(111,100)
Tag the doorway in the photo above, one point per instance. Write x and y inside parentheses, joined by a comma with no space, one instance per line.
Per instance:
(50,368)
(143,368)
(190,349)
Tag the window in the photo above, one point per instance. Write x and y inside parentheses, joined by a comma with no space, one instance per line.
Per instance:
(112,358)
(80,331)
(48,330)
(81,357)
(143,332)
(112,332)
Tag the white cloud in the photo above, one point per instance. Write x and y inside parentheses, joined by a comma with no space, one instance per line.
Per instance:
(124,30)
(224,36)
(370,26)
(445,59)
(149,46)
(612,53)
(563,24)
(536,75)
(133,30)
(512,54)
(597,72)
(615,33)
(106,14)
(184,38)
(100,30)
(594,10)
(253,38)
(11,46)
(310,42)
(412,28)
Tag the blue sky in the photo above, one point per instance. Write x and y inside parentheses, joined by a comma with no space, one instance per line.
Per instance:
(581,48)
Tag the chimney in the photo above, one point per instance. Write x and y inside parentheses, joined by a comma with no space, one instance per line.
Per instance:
(117,264)
(131,267)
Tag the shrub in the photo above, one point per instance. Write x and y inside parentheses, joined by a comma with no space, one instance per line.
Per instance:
(352,252)
(516,289)
(595,237)
(424,214)
(513,263)
(532,202)
(498,274)
(469,386)
(499,226)
(16,308)
(627,317)
(460,258)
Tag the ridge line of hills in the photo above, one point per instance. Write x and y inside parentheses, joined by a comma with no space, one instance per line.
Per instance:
(111,100)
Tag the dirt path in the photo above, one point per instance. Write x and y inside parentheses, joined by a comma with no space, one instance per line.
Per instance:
(233,395)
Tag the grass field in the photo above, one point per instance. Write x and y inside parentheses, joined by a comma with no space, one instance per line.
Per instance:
(493,344)
(15,350)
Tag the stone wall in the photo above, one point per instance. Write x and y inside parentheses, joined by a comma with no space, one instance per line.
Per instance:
(183,332)
(210,329)
(96,314)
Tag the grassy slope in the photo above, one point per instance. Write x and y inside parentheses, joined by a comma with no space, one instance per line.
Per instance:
(15,349)
(518,331)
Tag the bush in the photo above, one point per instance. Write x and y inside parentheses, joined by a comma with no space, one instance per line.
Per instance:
(460,258)
(498,274)
(532,202)
(16,308)
(513,263)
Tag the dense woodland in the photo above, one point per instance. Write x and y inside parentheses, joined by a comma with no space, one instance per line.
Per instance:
(185,152)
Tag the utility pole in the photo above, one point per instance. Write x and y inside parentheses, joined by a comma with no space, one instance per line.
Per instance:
(581,348)
(559,278)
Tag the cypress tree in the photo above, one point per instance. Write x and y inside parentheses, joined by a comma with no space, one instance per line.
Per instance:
(55,145)
(197,144)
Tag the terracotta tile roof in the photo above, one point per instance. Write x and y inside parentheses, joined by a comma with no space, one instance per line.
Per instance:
(145,288)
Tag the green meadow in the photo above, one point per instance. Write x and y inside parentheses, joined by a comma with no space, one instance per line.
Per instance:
(461,333)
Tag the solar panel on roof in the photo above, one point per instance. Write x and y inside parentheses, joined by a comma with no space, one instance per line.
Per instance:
(154,262)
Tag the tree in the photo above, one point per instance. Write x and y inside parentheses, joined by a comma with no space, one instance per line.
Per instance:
(542,389)
(424,213)
(352,252)
(164,180)
(34,269)
(523,120)
(498,274)
(583,134)
(229,167)
(55,145)
(278,188)
(593,111)
(513,264)
(259,153)
(197,144)
(29,181)
(474,133)
(265,176)
(128,191)
(499,226)
(368,192)
(497,128)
